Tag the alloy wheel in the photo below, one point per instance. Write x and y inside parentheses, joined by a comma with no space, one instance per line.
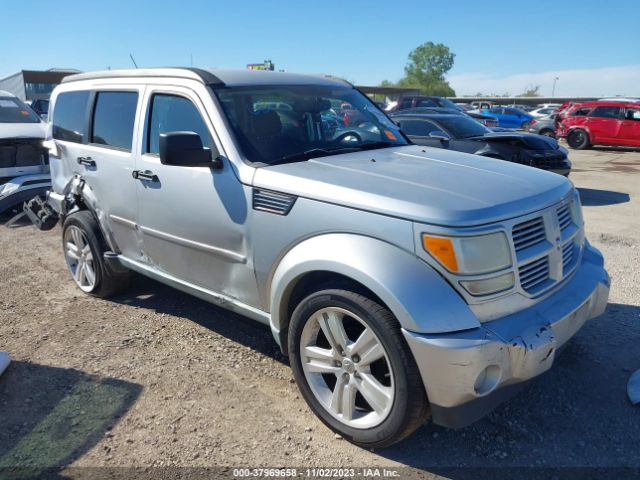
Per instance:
(347,368)
(79,257)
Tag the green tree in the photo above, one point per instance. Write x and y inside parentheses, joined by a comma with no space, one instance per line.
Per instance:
(426,68)
(430,61)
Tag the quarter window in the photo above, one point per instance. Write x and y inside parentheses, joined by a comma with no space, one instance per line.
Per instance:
(607,112)
(70,116)
(171,113)
(113,119)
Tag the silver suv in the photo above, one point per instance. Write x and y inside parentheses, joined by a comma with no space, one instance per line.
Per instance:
(401,281)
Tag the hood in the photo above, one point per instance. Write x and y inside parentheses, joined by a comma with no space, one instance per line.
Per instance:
(22,130)
(426,185)
(528,140)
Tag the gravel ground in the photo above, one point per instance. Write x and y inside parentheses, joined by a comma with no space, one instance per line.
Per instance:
(157,378)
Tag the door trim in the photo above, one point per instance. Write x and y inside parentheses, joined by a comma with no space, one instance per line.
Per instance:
(221,252)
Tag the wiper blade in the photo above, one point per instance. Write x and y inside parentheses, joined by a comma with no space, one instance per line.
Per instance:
(323,152)
(312,153)
(306,155)
(374,145)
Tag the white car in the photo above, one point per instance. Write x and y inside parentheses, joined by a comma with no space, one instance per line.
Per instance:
(542,112)
(24,161)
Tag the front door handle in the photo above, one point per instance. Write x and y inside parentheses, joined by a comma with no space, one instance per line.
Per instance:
(87,161)
(146,175)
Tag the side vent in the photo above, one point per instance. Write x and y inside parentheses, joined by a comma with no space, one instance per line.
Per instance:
(272,202)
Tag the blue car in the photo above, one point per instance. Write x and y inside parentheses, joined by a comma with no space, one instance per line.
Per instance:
(509,117)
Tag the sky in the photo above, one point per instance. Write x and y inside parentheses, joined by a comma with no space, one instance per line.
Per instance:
(501,46)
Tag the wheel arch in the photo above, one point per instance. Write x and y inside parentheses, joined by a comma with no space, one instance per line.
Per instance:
(79,197)
(420,299)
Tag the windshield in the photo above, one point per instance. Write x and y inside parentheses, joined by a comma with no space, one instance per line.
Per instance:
(446,103)
(463,127)
(13,110)
(291,123)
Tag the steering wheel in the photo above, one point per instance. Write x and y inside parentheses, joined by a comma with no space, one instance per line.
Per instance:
(348,138)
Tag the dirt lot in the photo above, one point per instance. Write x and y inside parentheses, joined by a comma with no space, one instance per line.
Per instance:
(157,378)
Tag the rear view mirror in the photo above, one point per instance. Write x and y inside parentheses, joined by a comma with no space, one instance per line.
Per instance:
(184,149)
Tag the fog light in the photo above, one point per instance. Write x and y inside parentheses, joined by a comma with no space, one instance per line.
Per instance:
(489,285)
(487,380)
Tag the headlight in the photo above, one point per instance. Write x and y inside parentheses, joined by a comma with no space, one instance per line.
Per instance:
(476,255)
(469,255)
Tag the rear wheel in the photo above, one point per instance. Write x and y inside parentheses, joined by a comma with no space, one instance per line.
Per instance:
(548,132)
(354,368)
(526,125)
(84,248)
(578,139)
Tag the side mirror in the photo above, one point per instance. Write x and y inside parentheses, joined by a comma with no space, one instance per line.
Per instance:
(440,135)
(184,149)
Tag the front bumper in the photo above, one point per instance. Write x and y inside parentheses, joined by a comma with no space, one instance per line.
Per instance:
(467,374)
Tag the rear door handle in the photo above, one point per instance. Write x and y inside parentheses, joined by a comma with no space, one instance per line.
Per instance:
(88,161)
(147,175)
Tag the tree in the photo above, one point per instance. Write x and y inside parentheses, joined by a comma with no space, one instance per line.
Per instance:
(429,61)
(426,68)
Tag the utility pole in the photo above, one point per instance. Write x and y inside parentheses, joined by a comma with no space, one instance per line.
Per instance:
(553,90)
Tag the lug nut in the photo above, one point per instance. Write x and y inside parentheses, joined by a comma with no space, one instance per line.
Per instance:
(355,358)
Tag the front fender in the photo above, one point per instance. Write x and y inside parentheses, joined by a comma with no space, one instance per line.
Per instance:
(416,294)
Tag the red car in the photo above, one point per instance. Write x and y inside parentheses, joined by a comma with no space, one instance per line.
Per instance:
(600,123)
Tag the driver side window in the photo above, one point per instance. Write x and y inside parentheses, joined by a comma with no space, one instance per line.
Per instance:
(172,113)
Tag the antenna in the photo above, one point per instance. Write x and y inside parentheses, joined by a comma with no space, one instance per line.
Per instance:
(134,62)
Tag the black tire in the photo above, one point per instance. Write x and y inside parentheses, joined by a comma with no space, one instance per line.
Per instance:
(548,132)
(410,406)
(107,281)
(578,139)
(525,125)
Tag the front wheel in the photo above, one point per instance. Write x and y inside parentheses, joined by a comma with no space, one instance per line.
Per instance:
(354,368)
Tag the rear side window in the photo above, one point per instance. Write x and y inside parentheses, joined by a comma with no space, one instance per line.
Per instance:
(113,119)
(607,112)
(581,112)
(418,128)
(69,116)
(171,113)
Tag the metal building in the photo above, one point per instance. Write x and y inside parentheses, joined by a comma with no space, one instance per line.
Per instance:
(34,84)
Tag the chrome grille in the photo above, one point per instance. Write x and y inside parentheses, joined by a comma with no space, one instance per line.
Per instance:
(529,233)
(534,273)
(272,202)
(564,216)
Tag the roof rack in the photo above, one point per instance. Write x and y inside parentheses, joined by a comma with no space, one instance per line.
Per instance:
(203,76)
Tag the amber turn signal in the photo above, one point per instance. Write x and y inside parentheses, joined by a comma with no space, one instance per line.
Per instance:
(442,250)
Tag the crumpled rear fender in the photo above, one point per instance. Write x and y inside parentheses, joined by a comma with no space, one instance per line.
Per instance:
(416,294)
(77,196)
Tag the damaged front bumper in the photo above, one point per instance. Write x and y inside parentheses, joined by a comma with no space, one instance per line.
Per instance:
(467,374)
